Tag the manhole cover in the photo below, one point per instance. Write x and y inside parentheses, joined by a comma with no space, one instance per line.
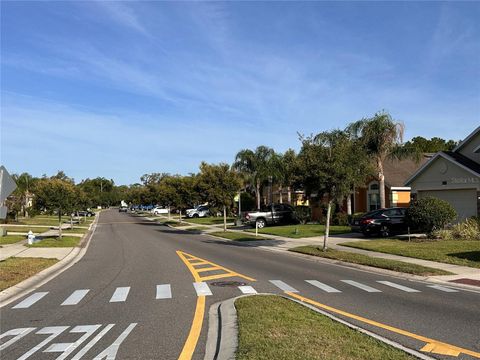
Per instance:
(228,283)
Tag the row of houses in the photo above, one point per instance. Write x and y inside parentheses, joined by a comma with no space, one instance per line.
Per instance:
(453,176)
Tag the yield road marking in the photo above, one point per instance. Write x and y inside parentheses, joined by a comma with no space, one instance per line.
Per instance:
(76,297)
(202,289)
(322,286)
(120,294)
(442,288)
(283,286)
(247,290)
(32,299)
(398,286)
(432,345)
(164,291)
(361,286)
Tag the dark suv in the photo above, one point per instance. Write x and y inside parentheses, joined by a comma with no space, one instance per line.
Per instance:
(383,222)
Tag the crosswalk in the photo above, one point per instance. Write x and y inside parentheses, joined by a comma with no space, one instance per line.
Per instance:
(164,291)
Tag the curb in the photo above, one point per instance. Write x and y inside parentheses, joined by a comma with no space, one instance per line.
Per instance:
(34,282)
(222,345)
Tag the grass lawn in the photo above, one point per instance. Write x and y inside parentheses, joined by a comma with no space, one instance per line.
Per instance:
(300,231)
(51,220)
(27,228)
(209,220)
(370,261)
(197,228)
(272,327)
(14,270)
(237,236)
(66,241)
(75,230)
(458,252)
(11,239)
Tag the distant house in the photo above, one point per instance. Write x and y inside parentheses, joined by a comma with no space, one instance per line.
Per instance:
(367,198)
(453,176)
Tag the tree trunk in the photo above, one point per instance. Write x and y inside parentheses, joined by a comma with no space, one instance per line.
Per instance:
(280,193)
(258,194)
(224,218)
(381,183)
(60,223)
(327,226)
(349,204)
(289,195)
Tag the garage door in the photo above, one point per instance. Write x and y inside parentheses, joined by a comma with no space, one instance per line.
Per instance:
(464,201)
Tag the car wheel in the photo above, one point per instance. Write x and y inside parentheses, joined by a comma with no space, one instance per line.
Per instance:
(385,231)
(195,216)
(366,234)
(260,223)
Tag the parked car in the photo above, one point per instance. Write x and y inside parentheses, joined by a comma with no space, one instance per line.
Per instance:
(270,215)
(157,210)
(123,209)
(383,222)
(83,213)
(198,211)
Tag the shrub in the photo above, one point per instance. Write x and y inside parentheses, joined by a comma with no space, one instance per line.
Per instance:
(340,218)
(466,230)
(430,214)
(303,214)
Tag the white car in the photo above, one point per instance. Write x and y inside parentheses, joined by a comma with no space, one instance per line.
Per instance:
(158,210)
(199,211)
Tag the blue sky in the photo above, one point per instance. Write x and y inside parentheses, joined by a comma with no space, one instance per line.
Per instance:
(119,89)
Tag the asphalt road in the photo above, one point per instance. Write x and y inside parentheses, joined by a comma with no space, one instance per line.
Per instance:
(132,297)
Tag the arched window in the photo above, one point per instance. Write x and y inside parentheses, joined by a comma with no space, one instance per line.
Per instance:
(373,196)
(374,186)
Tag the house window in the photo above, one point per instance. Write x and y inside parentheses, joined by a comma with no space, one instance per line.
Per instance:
(373,197)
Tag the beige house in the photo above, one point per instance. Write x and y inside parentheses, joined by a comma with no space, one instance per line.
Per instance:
(453,176)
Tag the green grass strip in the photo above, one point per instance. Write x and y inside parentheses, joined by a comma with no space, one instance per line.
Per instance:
(361,259)
(301,231)
(11,239)
(65,241)
(237,236)
(457,252)
(14,270)
(274,328)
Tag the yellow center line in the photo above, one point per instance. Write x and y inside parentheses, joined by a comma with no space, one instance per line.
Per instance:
(433,345)
(195,330)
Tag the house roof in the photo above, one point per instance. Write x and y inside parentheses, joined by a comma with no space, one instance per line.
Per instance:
(398,171)
(464,161)
(467,139)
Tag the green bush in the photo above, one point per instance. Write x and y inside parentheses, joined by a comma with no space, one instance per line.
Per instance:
(430,214)
(303,214)
(341,219)
(466,230)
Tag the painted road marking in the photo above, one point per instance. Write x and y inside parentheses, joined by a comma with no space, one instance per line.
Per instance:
(442,288)
(202,289)
(398,286)
(17,335)
(247,290)
(76,297)
(120,294)
(432,345)
(323,286)
(361,286)
(53,331)
(92,342)
(164,291)
(68,348)
(283,286)
(32,299)
(110,353)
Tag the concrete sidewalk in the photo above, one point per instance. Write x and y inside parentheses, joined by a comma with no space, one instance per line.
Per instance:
(20,250)
(334,242)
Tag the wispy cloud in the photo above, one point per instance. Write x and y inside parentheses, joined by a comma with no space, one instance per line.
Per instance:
(122,14)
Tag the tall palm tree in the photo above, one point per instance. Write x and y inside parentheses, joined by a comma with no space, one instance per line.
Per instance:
(381,136)
(258,165)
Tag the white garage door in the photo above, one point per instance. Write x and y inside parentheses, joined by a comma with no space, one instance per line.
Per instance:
(464,201)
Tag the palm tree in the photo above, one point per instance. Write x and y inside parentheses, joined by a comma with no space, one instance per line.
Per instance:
(381,136)
(257,165)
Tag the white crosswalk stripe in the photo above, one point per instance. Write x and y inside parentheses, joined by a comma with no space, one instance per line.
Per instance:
(202,289)
(164,291)
(283,286)
(323,286)
(442,288)
(398,286)
(247,290)
(32,299)
(361,286)
(76,297)
(120,294)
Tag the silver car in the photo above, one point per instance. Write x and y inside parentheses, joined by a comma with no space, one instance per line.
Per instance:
(199,211)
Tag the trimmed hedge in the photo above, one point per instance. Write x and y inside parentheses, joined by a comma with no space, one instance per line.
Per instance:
(430,214)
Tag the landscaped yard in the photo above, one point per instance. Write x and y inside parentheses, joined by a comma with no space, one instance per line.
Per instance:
(458,252)
(65,241)
(369,261)
(11,239)
(300,231)
(272,327)
(14,270)
(27,228)
(237,236)
(209,220)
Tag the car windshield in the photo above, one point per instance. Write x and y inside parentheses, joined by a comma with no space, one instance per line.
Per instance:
(372,213)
